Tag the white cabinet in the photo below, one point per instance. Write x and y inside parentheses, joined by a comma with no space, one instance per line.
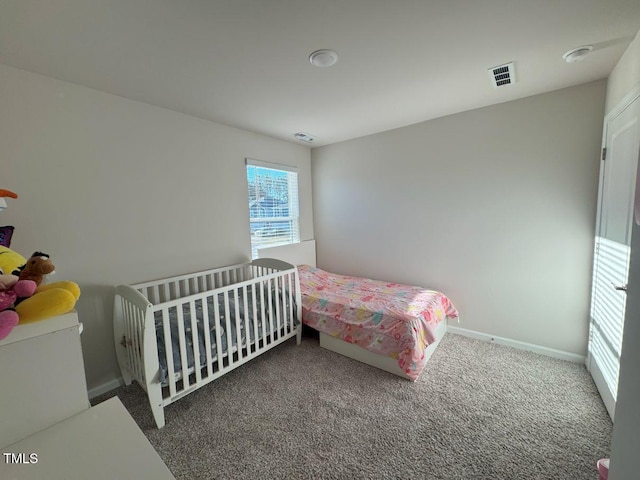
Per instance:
(41,376)
(47,429)
(102,443)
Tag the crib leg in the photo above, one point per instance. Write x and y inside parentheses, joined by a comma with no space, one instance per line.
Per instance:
(299,335)
(158,415)
(126,376)
(155,400)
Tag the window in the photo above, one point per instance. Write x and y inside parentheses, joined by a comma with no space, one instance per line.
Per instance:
(273,205)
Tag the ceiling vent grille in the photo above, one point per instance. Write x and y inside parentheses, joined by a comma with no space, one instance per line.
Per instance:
(304,137)
(502,75)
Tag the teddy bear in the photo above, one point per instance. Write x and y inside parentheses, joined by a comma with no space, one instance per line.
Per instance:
(48,300)
(38,265)
(11,290)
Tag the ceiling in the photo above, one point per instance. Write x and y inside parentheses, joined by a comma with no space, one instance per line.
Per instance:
(245,63)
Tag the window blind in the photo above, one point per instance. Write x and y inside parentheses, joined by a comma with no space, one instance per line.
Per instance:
(273,204)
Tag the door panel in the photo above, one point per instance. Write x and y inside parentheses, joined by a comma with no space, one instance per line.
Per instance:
(613,240)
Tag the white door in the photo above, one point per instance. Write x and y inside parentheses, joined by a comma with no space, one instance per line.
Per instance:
(613,240)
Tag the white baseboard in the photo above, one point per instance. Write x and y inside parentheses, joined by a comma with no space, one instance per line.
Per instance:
(105,387)
(549,352)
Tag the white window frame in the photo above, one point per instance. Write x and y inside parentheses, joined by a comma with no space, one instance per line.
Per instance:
(293,208)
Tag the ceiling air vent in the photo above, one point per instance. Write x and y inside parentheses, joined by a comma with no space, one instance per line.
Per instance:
(304,137)
(502,75)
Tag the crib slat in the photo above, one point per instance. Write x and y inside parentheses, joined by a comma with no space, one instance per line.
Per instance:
(128,333)
(206,329)
(261,315)
(291,287)
(156,295)
(132,335)
(183,347)
(282,306)
(238,323)
(278,294)
(216,316)
(254,317)
(140,326)
(245,320)
(136,340)
(286,304)
(195,340)
(277,301)
(168,348)
(227,328)
(270,311)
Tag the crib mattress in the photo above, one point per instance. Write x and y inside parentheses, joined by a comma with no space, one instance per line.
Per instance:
(390,319)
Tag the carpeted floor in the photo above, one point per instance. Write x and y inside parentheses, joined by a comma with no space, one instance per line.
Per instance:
(478,411)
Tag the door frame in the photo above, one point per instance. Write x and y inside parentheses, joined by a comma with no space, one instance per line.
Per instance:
(592,367)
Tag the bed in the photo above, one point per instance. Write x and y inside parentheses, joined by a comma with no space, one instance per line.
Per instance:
(177,334)
(391,326)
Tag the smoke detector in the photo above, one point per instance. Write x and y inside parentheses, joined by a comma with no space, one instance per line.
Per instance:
(503,75)
(323,58)
(577,54)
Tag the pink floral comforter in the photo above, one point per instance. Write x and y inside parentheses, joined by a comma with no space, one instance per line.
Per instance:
(390,319)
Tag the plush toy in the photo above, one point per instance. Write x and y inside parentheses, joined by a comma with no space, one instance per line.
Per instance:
(38,265)
(6,194)
(8,317)
(48,300)
(8,320)
(11,290)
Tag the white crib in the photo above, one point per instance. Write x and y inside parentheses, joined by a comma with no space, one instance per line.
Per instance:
(208,322)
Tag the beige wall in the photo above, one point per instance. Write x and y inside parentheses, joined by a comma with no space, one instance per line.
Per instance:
(625,76)
(118,191)
(495,207)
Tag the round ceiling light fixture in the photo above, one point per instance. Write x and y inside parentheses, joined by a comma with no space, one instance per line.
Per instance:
(323,58)
(577,54)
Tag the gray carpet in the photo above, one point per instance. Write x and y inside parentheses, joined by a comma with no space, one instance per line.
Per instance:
(478,411)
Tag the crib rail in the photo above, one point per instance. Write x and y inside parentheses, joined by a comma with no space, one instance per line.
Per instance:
(164,290)
(176,335)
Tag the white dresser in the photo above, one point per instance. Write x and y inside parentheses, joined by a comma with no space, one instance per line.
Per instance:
(42,377)
(101,443)
(47,428)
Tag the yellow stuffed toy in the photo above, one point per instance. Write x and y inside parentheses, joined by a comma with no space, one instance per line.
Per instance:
(48,300)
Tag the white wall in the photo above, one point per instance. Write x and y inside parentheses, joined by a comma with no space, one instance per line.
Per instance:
(625,75)
(118,191)
(625,462)
(495,207)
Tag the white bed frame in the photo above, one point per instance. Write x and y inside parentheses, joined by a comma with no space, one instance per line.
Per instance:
(304,253)
(135,332)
